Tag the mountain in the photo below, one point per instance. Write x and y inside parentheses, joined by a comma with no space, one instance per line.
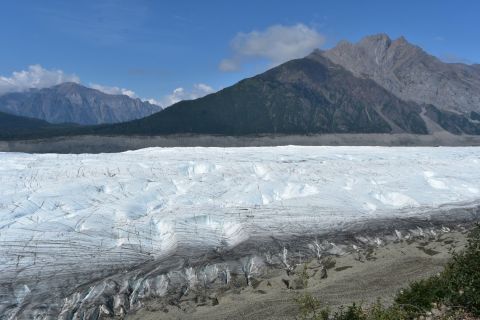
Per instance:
(312,95)
(74,103)
(369,87)
(410,73)
(11,126)
(303,96)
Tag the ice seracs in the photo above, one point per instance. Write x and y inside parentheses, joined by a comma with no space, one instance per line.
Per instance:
(71,220)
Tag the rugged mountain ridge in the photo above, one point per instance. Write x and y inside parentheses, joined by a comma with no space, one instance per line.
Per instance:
(312,95)
(74,103)
(303,96)
(410,73)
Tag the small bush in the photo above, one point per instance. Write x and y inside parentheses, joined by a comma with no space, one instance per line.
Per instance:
(353,312)
(378,312)
(462,276)
(311,308)
(420,296)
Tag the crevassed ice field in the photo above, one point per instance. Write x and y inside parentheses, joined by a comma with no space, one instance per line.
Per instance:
(69,220)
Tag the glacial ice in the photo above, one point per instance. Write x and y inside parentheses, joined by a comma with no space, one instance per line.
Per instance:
(68,220)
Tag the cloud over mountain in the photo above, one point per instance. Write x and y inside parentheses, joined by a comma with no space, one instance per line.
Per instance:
(34,77)
(277,44)
(197,91)
(113,90)
(37,77)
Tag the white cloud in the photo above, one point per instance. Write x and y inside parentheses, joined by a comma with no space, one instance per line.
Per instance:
(113,90)
(153,101)
(34,77)
(228,65)
(123,91)
(199,90)
(37,77)
(278,43)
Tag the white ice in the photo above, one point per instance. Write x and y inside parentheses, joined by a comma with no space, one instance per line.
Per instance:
(67,213)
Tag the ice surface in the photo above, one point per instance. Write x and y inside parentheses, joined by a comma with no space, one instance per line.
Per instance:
(83,217)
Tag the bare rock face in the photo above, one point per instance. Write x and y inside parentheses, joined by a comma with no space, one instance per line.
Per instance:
(73,103)
(410,73)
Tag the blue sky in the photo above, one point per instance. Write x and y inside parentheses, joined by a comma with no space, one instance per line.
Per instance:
(155,47)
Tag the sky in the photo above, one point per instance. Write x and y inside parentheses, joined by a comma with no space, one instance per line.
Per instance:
(166,51)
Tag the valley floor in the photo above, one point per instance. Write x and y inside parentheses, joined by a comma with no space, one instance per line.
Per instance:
(385,270)
(102,144)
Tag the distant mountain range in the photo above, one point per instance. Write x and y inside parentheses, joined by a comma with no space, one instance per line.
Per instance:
(74,103)
(377,85)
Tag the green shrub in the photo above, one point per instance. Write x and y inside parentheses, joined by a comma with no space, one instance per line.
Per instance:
(353,312)
(457,286)
(462,276)
(311,308)
(378,312)
(420,296)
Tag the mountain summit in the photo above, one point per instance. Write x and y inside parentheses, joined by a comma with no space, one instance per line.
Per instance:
(410,73)
(73,103)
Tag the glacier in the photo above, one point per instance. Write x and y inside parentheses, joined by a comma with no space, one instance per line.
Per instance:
(86,234)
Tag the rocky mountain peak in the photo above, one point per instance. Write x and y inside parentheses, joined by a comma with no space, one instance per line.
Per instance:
(373,51)
(410,73)
(376,41)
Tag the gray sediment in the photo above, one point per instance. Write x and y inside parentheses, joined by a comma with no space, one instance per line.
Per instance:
(108,144)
